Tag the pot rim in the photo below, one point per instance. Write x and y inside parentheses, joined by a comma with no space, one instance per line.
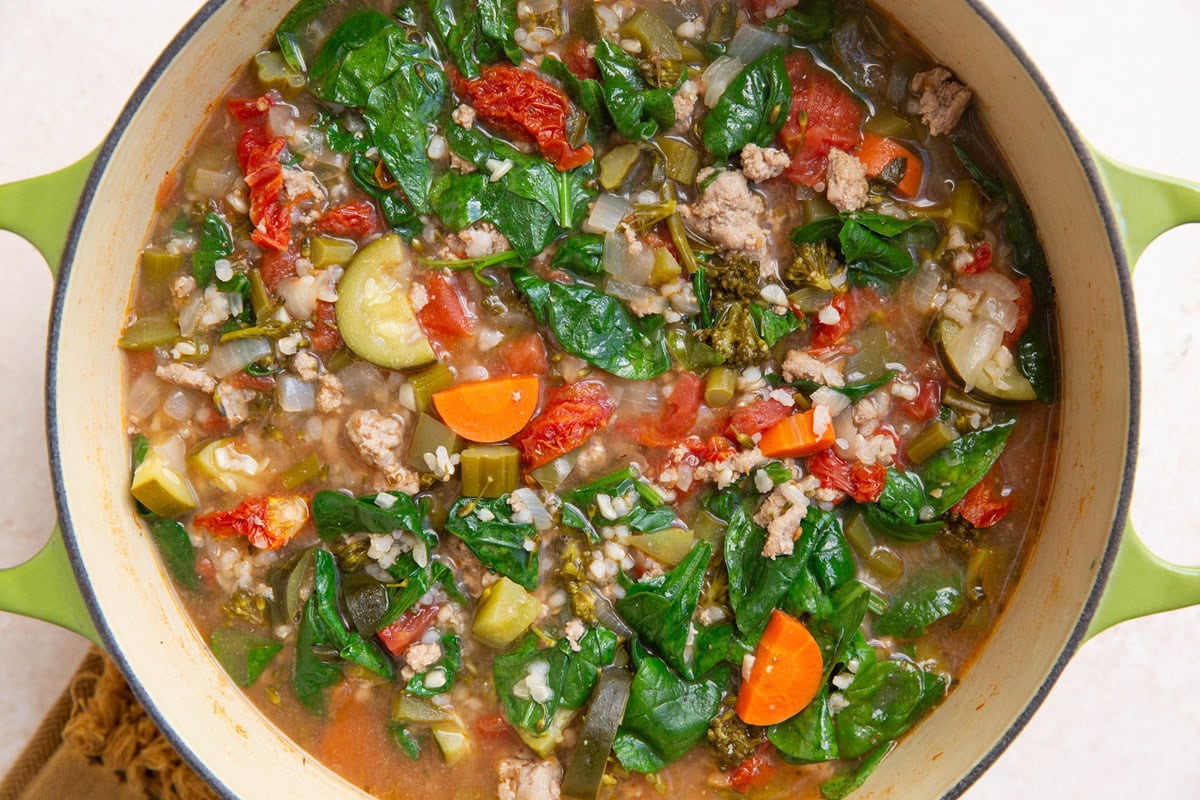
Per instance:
(54,446)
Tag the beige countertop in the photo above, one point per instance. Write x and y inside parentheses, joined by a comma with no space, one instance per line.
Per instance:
(1124,719)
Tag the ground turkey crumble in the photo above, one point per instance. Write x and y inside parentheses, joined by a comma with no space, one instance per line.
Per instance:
(943,99)
(781,514)
(330,394)
(800,365)
(760,164)
(188,377)
(376,437)
(727,214)
(848,189)
(523,779)
(477,241)
(685,104)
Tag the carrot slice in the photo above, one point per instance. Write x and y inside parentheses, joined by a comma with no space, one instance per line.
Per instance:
(796,436)
(876,152)
(786,675)
(491,410)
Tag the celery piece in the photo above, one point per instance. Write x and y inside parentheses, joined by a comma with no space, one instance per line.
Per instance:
(683,160)
(656,37)
(260,296)
(273,72)
(301,472)
(870,360)
(722,22)
(146,333)
(885,563)
(324,251)
(859,535)
(162,489)
(428,435)
(966,207)
(428,382)
(816,208)
(490,470)
(420,710)
(665,269)
(243,654)
(719,386)
(669,546)
(616,165)
(159,265)
(505,612)
(933,438)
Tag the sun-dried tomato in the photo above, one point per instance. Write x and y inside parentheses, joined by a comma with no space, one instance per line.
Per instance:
(324,335)
(863,482)
(755,771)
(572,414)
(677,417)
(523,105)
(356,220)
(258,157)
(581,64)
(986,503)
(981,261)
(267,521)
(926,404)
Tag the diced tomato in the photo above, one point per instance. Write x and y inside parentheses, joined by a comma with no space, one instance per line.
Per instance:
(255,383)
(324,335)
(659,236)
(861,481)
(982,260)
(267,521)
(676,419)
(824,115)
(525,106)
(986,503)
(754,772)
(446,317)
(277,265)
(409,628)
(140,361)
(713,450)
(356,220)
(1024,303)
(572,414)
(493,726)
(824,335)
(757,417)
(206,571)
(525,355)
(581,65)
(926,404)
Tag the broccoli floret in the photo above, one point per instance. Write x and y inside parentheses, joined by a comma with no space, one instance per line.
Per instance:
(575,583)
(735,337)
(246,606)
(732,279)
(350,554)
(732,740)
(815,265)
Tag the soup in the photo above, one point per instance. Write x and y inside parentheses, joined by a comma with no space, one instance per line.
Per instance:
(537,399)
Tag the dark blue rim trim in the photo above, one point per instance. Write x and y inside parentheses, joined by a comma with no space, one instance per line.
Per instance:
(68,528)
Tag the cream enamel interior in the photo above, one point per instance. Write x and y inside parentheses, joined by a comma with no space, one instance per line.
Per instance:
(208,714)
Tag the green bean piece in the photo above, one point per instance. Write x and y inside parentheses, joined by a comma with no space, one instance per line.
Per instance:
(933,438)
(274,73)
(885,563)
(324,251)
(490,470)
(656,37)
(260,296)
(810,299)
(159,265)
(719,386)
(679,237)
(301,472)
(428,382)
(146,333)
(551,475)
(683,160)
(722,22)
(692,56)
(859,535)
(584,774)
(666,269)
(617,164)
(964,404)
(888,123)
(428,435)
(966,207)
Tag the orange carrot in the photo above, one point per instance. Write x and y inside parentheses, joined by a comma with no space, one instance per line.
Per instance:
(491,410)
(786,675)
(876,152)
(796,436)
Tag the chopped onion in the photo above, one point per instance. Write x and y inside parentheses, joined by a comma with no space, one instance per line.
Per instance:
(540,7)
(750,42)
(280,119)
(832,399)
(362,382)
(625,265)
(1001,312)
(972,348)
(925,287)
(234,356)
(145,396)
(299,296)
(630,293)
(179,406)
(843,426)
(190,313)
(607,214)
(293,394)
(717,77)
(990,283)
(537,509)
(173,452)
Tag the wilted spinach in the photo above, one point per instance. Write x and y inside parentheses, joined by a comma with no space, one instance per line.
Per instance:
(215,243)
(870,244)
(335,514)
(952,471)
(582,254)
(660,609)
(449,663)
(752,109)
(571,676)
(638,110)
(771,326)
(923,599)
(885,700)
(809,736)
(475,32)
(503,546)
(807,22)
(898,510)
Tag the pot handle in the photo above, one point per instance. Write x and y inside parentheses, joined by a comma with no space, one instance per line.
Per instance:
(40,210)
(1141,583)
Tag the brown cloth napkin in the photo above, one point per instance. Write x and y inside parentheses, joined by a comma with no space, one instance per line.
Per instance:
(97,743)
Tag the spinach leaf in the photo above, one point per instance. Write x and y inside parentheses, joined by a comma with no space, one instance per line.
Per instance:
(448,664)
(852,392)
(691,353)
(598,328)
(1035,357)
(215,243)
(586,93)
(499,543)
(898,512)
(359,55)
(665,717)
(331,630)
(771,326)
(836,620)
(582,254)
(310,674)
(404,741)
(868,243)
(497,24)
(718,645)
(885,700)
(570,676)
(243,654)
(831,561)
(177,552)
(475,33)
(660,610)
(335,514)
(415,582)
(398,213)
(287,35)
(843,785)
(752,109)
(922,600)
(638,110)
(808,737)
(807,22)
(400,114)
(952,471)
